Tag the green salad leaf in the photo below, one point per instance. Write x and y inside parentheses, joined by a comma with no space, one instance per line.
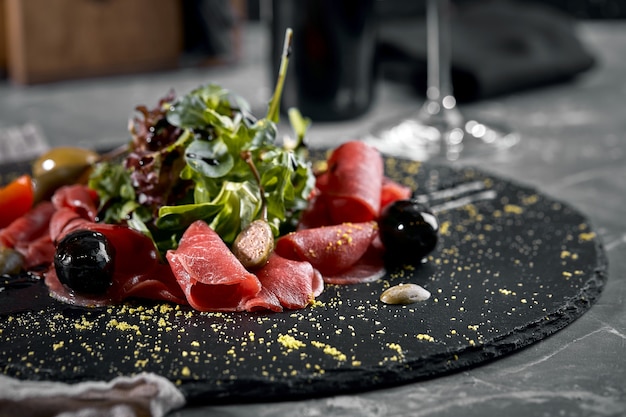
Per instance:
(186,163)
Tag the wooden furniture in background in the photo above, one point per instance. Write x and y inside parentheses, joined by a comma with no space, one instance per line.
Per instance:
(63,39)
(3,38)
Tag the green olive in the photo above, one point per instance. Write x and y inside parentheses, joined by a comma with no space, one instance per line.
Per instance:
(61,166)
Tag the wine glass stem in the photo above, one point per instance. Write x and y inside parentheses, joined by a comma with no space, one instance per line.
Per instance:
(440,97)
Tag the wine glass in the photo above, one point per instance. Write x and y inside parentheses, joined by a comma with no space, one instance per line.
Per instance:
(439,129)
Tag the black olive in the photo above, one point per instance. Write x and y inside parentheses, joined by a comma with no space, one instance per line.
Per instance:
(84,262)
(409,231)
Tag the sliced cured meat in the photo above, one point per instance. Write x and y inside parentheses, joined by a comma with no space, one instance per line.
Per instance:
(64,221)
(159,283)
(154,284)
(38,254)
(29,236)
(392,191)
(316,214)
(286,284)
(355,176)
(330,249)
(29,227)
(211,277)
(138,271)
(370,267)
(79,198)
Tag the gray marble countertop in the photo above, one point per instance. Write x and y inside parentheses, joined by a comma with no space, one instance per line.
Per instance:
(573,148)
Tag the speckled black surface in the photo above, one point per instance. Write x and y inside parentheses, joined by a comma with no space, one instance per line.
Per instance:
(507,272)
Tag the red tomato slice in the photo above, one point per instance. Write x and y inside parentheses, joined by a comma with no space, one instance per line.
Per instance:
(15,200)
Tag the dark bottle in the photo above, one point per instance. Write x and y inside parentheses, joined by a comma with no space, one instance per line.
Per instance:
(332,65)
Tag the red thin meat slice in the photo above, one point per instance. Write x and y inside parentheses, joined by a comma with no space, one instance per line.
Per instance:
(370,267)
(212,277)
(330,249)
(64,221)
(29,236)
(80,198)
(392,191)
(355,176)
(159,283)
(286,284)
(38,254)
(316,214)
(29,227)
(138,271)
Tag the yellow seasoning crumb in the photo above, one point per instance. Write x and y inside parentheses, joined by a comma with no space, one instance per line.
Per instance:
(59,345)
(586,236)
(444,227)
(426,337)
(84,324)
(513,209)
(531,199)
(329,350)
(185,371)
(290,342)
(122,325)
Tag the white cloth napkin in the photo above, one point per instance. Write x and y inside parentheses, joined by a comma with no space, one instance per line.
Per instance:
(22,142)
(143,395)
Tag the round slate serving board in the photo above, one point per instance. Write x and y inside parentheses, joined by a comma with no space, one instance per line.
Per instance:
(512,266)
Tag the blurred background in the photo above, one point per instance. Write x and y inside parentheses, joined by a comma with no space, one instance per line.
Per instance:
(72,71)
(51,40)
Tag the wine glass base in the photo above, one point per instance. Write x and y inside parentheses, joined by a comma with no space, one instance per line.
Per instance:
(423,138)
(478,138)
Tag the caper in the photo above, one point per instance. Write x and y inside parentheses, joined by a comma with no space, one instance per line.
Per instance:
(254,244)
(11,261)
(84,262)
(61,166)
(408,230)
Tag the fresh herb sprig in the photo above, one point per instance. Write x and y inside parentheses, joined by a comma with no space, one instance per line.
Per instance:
(200,168)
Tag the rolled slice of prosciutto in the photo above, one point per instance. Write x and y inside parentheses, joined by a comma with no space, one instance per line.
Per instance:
(211,277)
(354,182)
(137,269)
(286,284)
(332,250)
(29,236)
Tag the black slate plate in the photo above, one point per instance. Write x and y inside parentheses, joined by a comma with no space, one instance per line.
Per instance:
(511,268)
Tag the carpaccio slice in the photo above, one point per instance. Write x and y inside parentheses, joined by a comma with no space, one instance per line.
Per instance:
(286,284)
(334,250)
(353,186)
(138,271)
(28,235)
(368,268)
(81,199)
(211,277)
(392,191)
(324,199)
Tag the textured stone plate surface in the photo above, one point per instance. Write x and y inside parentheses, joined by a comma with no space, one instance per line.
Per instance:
(512,267)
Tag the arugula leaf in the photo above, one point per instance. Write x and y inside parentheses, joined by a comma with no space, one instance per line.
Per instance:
(195,169)
(113,185)
(210,159)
